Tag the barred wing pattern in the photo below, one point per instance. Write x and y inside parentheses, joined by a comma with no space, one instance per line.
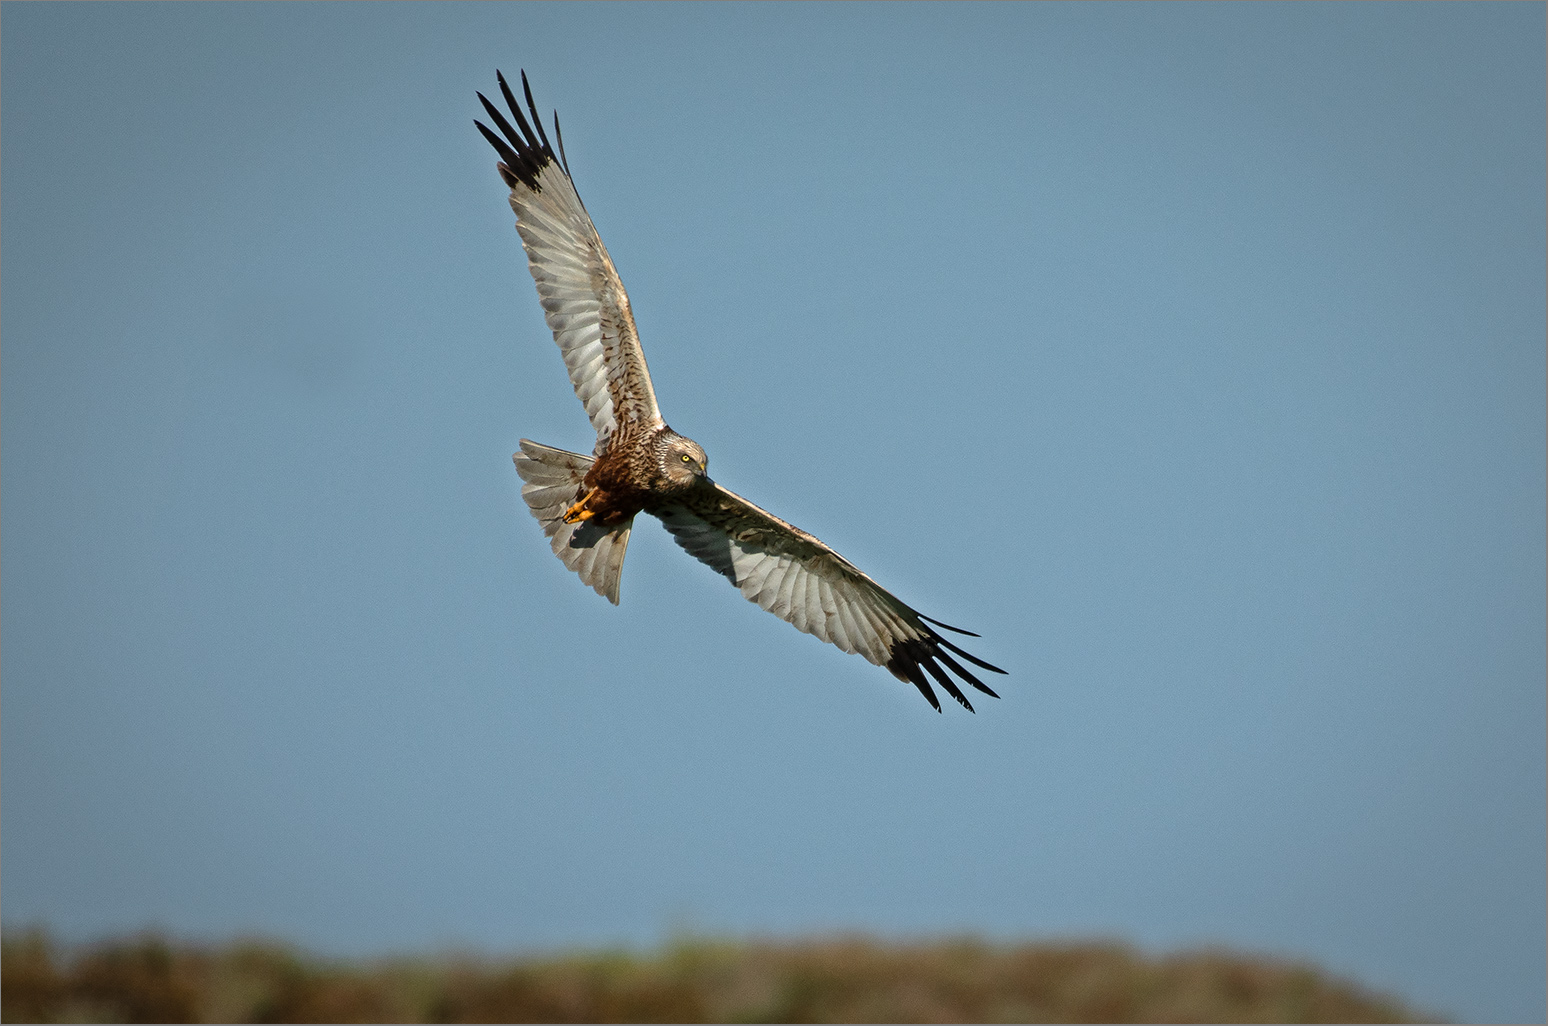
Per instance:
(802,581)
(583,300)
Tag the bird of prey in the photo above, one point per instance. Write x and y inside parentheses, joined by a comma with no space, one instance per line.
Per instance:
(587,504)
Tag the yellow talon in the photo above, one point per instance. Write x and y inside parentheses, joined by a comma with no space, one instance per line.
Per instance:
(579,512)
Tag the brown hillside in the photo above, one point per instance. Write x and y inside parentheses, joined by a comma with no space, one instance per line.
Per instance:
(148,979)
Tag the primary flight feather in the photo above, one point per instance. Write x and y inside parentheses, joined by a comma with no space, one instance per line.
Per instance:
(587,504)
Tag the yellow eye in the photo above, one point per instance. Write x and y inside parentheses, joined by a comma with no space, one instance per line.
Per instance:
(687,458)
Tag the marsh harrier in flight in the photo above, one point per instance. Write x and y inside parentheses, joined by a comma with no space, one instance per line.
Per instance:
(587,504)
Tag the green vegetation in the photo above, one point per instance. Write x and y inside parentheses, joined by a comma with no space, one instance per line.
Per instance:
(149,979)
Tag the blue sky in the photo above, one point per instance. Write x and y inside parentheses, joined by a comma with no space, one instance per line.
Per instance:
(1193,355)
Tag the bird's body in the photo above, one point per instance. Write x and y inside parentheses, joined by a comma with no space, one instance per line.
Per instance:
(612,496)
(587,504)
(634,474)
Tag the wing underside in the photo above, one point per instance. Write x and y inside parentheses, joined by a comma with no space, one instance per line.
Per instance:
(805,583)
(583,299)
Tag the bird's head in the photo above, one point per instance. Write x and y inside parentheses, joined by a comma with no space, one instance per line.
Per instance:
(681,460)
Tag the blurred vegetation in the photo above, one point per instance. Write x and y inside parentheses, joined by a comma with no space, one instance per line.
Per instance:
(146,978)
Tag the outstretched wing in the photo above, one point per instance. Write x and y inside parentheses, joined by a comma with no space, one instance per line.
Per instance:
(582,298)
(804,582)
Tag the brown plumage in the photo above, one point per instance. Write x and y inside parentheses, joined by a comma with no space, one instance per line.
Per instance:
(587,504)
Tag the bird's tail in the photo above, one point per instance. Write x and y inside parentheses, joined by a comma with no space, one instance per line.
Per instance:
(551,483)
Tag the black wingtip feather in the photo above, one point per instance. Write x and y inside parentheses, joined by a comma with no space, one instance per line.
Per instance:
(515,108)
(911,659)
(929,652)
(524,151)
(515,140)
(532,107)
(948,626)
(507,155)
(965,674)
(910,670)
(947,683)
(970,657)
(564,161)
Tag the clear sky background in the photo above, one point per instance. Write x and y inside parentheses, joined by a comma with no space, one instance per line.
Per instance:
(1194,355)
